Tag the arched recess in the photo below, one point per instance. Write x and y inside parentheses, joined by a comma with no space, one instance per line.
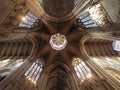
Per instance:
(57,77)
(79,7)
(12,44)
(107,56)
(97,47)
(20,70)
(17,48)
(98,44)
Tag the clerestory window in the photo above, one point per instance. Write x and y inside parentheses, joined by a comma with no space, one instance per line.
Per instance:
(34,71)
(82,70)
(28,20)
(86,21)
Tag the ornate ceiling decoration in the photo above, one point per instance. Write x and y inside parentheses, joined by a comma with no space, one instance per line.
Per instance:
(58,8)
(58,41)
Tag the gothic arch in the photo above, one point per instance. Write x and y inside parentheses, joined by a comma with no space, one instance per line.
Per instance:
(57,77)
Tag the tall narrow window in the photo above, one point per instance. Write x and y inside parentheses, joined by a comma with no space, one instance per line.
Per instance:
(116,45)
(33,73)
(86,21)
(28,20)
(82,70)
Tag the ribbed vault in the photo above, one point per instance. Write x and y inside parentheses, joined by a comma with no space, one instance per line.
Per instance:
(42,19)
(58,79)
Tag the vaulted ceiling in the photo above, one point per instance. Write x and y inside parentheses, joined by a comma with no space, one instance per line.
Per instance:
(59,16)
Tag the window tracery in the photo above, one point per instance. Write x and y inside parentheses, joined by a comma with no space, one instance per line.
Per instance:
(34,71)
(82,70)
(93,17)
(28,20)
(86,21)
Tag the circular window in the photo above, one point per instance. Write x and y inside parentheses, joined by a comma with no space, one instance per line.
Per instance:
(58,41)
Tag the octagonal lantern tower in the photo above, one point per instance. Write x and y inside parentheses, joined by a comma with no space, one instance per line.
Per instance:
(58,41)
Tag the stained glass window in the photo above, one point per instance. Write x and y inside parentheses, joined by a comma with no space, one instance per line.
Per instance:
(28,21)
(82,70)
(116,45)
(24,25)
(34,71)
(87,21)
